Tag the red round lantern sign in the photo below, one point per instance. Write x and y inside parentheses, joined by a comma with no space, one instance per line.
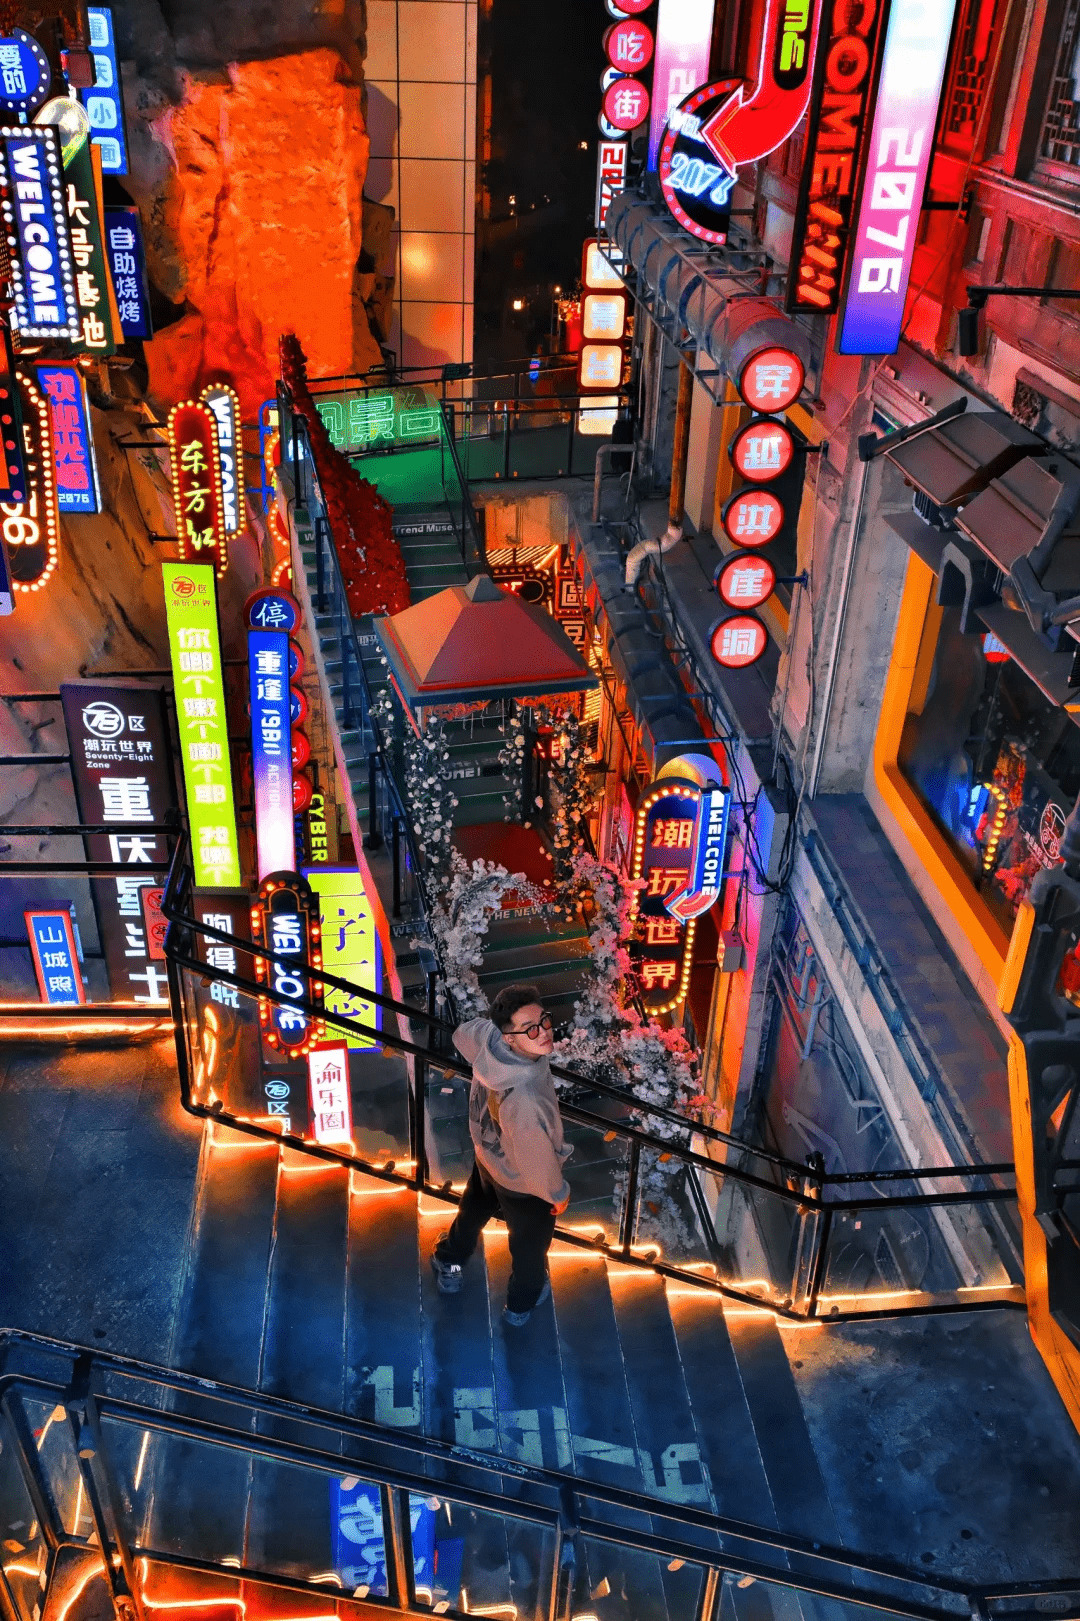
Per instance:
(301,749)
(739,641)
(745,580)
(631,8)
(762,450)
(772,379)
(629,46)
(626,104)
(752,517)
(302,792)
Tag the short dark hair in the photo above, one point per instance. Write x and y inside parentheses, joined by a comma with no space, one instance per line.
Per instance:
(510,1000)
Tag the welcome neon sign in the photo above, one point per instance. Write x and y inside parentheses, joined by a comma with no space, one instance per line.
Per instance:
(900,149)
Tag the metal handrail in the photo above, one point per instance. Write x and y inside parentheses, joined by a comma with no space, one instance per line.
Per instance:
(804,1200)
(400,1461)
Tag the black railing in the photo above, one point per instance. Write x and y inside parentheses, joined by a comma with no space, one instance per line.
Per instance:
(141,1476)
(648,1188)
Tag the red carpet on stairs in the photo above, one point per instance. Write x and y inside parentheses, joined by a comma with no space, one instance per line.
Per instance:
(517,848)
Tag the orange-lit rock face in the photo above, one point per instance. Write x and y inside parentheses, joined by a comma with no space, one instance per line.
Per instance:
(264,212)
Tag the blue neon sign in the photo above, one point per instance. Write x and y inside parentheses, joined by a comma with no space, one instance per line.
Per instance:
(104,103)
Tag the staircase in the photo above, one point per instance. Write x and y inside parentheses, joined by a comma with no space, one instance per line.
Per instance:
(550,953)
(891,1439)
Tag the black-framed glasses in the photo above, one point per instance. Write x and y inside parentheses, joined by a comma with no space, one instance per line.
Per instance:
(531,1030)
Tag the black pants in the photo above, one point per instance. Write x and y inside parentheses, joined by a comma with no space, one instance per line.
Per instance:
(531,1225)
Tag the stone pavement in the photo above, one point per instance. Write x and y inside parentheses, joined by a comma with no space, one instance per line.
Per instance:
(97,1186)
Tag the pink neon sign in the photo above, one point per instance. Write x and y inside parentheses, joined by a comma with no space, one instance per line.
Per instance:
(899,153)
(681,62)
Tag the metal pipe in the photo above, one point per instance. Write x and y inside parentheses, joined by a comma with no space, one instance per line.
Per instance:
(677,499)
(838,634)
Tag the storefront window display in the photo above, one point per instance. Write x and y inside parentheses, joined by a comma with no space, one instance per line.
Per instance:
(996,762)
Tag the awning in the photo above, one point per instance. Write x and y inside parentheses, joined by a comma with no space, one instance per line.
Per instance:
(703,291)
(476,642)
(952,463)
(1010,518)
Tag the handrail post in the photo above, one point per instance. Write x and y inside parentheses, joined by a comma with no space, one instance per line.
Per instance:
(373,838)
(626,1226)
(396,852)
(320,565)
(570,444)
(506,439)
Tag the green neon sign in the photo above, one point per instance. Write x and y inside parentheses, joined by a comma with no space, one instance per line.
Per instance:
(195,655)
(357,420)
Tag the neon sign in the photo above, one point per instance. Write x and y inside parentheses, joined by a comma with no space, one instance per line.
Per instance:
(224,405)
(721,128)
(195,652)
(610,176)
(683,40)
(358,421)
(104,104)
(271,750)
(77,487)
(31,528)
(24,72)
(56,958)
(196,480)
(841,96)
(680,834)
(901,145)
(285,920)
(350,944)
(331,1105)
(35,224)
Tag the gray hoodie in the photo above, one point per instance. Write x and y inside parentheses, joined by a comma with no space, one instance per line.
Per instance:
(514,1117)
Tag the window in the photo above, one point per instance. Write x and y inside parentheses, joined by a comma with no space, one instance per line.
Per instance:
(1061,127)
(995,761)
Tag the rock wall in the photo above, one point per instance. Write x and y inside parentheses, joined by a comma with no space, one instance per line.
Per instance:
(248,158)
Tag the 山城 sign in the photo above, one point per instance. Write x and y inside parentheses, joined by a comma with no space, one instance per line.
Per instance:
(196,480)
(680,835)
(34,205)
(285,920)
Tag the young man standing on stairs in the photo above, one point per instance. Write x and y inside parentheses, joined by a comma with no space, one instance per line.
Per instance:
(517,1135)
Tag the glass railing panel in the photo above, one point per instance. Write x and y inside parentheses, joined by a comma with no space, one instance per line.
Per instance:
(895,1256)
(48,1425)
(235,1508)
(469,1561)
(749,1238)
(24,1551)
(598,1172)
(617,1583)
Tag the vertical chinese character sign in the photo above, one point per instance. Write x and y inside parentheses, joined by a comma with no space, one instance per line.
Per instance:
(77,487)
(127,266)
(94,296)
(120,764)
(679,841)
(104,102)
(331,1103)
(271,750)
(31,528)
(55,956)
(25,76)
(196,481)
(195,653)
(350,945)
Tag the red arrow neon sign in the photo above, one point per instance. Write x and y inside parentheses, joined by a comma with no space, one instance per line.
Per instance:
(746,128)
